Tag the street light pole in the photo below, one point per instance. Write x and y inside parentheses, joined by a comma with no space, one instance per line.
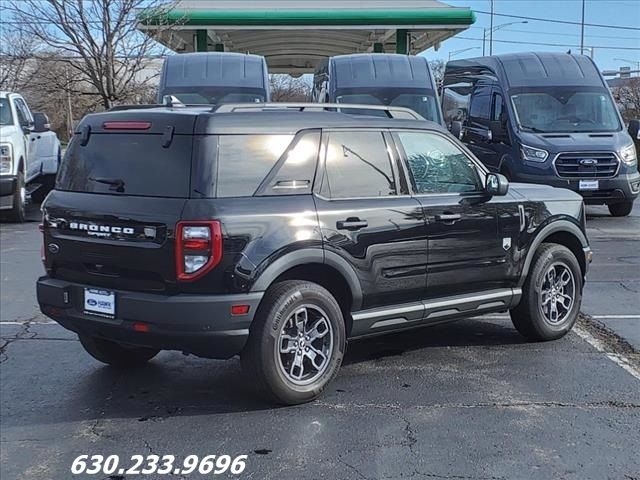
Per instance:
(491,31)
(582,31)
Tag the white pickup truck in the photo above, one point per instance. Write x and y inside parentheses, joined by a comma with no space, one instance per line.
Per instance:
(29,150)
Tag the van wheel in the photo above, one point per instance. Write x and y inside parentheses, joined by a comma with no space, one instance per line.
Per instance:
(47,184)
(19,210)
(296,342)
(620,209)
(115,354)
(551,295)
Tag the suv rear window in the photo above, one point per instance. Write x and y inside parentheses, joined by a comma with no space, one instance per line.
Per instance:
(127,164)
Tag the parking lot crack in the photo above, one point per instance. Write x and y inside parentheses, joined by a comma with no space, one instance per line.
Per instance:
(352,468)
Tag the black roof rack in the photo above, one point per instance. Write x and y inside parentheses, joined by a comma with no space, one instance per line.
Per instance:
(391,111)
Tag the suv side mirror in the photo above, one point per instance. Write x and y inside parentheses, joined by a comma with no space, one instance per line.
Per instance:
(41,122)
(634,129)
(496,185)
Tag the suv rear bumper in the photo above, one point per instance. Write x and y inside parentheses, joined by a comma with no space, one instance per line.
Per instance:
(622,188)
(197,324)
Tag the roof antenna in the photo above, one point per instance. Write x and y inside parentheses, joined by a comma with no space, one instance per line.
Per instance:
(172,101)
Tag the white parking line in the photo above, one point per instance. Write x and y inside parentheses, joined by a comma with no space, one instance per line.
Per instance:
(2,322)
(597,317)
(620,360)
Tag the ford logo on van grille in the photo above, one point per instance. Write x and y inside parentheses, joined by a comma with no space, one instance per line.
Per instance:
(588,162)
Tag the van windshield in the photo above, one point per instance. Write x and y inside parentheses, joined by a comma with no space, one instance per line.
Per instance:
(422,101)
(215,96)
(565,110)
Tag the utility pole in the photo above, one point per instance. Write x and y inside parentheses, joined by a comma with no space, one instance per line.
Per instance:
(582,31)
(491,31)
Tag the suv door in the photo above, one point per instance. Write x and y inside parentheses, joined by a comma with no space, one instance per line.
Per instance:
(368,219)
(469,251)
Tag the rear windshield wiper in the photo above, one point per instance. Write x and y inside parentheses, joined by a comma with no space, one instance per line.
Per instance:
(116,184)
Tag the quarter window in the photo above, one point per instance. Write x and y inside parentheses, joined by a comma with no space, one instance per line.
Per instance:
(357,165)
(437,165)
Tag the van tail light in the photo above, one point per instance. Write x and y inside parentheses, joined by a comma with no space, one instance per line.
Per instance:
(198,248)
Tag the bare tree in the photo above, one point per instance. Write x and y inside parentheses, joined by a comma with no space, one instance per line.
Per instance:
(627,95)
(285,88)
(16,49)
(437,68)
(97,40)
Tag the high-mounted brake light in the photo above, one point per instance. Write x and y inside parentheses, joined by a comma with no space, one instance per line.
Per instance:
(126,125)
(198,248)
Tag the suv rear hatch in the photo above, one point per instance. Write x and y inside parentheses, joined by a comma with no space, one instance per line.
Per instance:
(120,192)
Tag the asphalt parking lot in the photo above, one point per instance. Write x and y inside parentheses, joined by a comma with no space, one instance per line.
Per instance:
(466,400)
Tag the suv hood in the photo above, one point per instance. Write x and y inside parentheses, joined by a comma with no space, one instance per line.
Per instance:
(577,142)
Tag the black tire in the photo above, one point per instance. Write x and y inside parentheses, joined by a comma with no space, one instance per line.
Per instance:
(620,209)
(262,361)
(116,355)
(528,317)
(19,211)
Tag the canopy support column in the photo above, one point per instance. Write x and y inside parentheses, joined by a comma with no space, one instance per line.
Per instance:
(402,44)
(202,41)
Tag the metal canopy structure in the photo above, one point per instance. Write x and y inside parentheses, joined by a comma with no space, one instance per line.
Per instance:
(294,35)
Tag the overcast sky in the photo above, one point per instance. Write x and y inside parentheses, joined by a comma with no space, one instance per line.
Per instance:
(607,12)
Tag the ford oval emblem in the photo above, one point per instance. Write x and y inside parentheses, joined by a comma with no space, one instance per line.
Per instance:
(588,162)
(53,248)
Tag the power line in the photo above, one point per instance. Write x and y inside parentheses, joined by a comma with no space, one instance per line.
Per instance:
(545,44)
(566,22)
(588,35)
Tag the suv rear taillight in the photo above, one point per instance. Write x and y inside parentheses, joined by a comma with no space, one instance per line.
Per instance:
(198,248)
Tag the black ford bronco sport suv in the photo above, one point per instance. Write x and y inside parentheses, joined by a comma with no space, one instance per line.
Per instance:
(279,231)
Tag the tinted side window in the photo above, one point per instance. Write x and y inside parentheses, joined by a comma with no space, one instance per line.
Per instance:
(437,165)
(245,160)
(294,172)
(22,111)
(357,165)
(480,104)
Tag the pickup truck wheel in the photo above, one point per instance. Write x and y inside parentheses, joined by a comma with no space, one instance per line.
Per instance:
(620,209)
(296,342)
(551,295)
(116,355)
(19,210)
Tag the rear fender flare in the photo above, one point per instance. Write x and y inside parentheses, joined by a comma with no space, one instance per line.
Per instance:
(307,256)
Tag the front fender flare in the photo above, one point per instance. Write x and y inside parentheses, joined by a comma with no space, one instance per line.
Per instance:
(564,226)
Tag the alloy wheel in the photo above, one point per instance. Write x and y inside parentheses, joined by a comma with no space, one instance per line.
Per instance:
(557,294)
(305,345)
